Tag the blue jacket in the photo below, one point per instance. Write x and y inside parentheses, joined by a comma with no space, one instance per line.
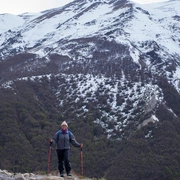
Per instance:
(63,141)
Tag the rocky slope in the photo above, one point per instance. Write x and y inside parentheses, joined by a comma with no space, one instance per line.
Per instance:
(5,175)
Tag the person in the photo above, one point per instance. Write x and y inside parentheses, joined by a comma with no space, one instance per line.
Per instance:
(62,140)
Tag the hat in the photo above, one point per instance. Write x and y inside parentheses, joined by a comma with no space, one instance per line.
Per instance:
(64,123)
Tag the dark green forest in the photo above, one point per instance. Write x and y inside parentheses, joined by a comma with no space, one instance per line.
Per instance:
(30,114)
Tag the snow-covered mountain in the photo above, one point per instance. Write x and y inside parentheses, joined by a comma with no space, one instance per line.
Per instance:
(116,52)
(127,23)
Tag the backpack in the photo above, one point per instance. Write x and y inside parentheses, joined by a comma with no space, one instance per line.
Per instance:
(59,133)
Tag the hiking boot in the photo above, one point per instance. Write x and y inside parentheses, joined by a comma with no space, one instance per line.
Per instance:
(62,175)
(69,174)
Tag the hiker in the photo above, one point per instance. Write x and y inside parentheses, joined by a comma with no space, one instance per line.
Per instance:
(62,139)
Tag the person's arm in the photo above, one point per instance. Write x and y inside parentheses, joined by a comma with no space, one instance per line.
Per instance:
(74,142)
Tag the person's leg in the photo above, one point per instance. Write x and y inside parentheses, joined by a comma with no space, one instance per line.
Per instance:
(60,161)
(67,161)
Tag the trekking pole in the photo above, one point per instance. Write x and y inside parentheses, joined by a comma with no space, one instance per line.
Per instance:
(81,163)
(49,157)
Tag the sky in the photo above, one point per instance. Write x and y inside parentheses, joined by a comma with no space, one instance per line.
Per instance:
(148,1)
(22,6)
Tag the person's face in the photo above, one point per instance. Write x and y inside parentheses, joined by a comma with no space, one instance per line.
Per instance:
(64,127)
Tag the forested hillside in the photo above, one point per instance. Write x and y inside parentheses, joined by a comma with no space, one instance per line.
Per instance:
(30,116)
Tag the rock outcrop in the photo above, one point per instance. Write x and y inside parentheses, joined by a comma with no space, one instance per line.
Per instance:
(5,175)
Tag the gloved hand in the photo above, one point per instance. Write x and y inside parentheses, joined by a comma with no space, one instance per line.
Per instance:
(81,145)
(50,142)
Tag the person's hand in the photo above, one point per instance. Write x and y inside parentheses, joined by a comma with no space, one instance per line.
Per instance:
(81,145)
(50,142)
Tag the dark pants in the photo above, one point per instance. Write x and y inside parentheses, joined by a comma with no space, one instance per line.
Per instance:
(63,159)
